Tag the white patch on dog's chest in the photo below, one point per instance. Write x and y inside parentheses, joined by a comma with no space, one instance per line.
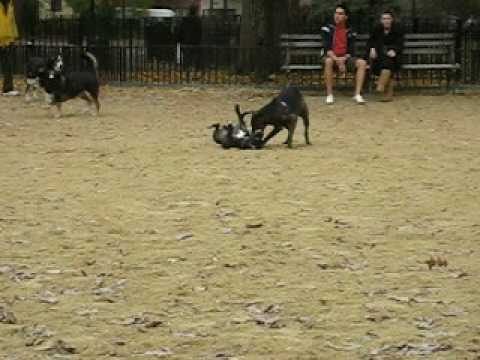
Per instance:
(50,98)
(32,81)
(240,134)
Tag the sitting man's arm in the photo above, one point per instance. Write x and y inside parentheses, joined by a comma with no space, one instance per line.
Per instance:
(397,47)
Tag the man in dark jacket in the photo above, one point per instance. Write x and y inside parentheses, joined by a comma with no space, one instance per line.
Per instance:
(339,45)
(190,37)
(385,47)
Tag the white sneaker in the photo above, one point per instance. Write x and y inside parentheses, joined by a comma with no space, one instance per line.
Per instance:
(330,100)
(11,93)
(359,99)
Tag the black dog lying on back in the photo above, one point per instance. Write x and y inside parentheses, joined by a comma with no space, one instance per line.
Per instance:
(236,136)
(62,85)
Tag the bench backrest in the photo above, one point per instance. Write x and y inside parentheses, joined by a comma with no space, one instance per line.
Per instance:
(433,48)
(429,48)
(311,43)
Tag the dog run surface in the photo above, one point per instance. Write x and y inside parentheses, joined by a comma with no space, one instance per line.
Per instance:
(132,235)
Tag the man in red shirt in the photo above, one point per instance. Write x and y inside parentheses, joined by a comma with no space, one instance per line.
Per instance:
(339,44)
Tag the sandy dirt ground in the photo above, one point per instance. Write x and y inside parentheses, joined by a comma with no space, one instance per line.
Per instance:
(134,236)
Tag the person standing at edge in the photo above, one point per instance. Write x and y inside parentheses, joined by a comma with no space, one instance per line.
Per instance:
(385,47)
(339,44)
(8,34)
(190,35)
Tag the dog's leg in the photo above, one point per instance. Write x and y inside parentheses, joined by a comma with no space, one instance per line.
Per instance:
(97,104)
(306,125)
(85,97)
(94,97)
(28,96)
(292,124)
(36,89)
(272,133)
(58,106)
(48,100)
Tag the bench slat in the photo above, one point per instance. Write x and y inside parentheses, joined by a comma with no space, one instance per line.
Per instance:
(430,36)
(430,66)
(317,44)
(423,51)
(302,44)
(427,36)
(301,37)
(363,37)
(310,51)
(427,44)
(302,67)
(405,67)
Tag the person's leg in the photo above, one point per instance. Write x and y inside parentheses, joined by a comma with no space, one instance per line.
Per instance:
(389,67)
(361,70)
(329,74)
(390,88)
(383,80)
(6,59)
(3,65)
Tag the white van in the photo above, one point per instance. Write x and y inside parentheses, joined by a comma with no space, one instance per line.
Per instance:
(160,13)
(157,14)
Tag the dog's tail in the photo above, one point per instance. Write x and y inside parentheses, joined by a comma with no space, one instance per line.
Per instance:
(93,60)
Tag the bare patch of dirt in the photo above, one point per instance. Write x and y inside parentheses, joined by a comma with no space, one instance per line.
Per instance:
(133,235)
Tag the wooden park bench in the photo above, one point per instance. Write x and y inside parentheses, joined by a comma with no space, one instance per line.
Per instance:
(432,53)
(305,51)
(422,52)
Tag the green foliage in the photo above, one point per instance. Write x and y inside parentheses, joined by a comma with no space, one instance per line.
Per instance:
(462,8)
(366,6)
(427,8)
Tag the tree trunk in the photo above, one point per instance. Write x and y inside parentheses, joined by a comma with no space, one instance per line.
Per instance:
(262,23)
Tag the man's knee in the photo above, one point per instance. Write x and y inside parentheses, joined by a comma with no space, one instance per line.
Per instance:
(329,62)
(361,64)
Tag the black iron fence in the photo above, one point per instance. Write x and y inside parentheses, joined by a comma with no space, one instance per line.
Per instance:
(471,57)
(216,30)
(138,31)
(146,51)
